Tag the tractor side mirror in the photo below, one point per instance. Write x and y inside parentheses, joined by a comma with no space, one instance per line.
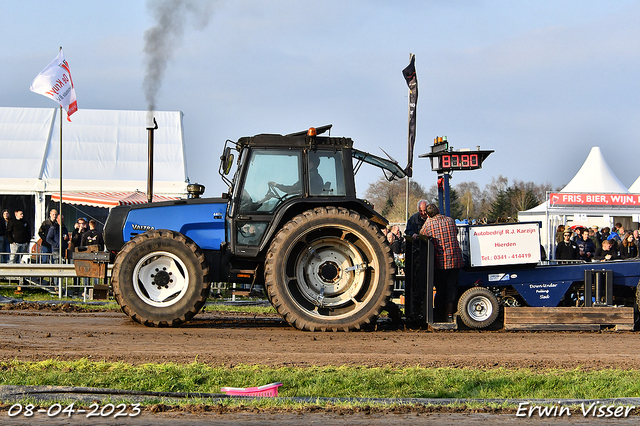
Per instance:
(226,161)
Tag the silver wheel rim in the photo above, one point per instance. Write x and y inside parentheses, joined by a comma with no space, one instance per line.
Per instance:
(480,308)
(160,279)
(332,272)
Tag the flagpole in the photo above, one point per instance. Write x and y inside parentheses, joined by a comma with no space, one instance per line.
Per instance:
(55,82)
(60,239)
(60,208)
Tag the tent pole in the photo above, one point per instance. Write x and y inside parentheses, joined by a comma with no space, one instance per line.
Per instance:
(60,238)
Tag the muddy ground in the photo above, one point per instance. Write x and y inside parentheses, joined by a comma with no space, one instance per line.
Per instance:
(230,339)
(65,333)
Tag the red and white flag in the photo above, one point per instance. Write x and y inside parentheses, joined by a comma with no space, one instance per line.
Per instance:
(55,82)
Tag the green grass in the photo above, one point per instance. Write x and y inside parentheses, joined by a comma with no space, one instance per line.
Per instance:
(30,294)
(348,382)
(235,308)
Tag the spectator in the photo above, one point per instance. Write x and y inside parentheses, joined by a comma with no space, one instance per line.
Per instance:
(3,232)
(416,221)
(597,234)
(395,230)
(592,237)
(93,237)
(567,249)
(606,252)
(45,247)
(395,244)
(448,259)
(55,241)
(19,235)
(559,234)
(385,231)
(78,229)
(628,248)
(586,246)
(576,234)
(5,246)
(616,236)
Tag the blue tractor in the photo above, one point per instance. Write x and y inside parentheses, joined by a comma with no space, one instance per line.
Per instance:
(290,221)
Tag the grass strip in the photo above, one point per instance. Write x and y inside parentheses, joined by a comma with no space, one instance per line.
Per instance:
(346,382)
(38,295)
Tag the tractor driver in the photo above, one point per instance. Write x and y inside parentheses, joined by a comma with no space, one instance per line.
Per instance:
(316,183)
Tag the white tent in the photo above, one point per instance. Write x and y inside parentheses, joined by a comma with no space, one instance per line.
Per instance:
(102,150)
(635,187)
(594,177)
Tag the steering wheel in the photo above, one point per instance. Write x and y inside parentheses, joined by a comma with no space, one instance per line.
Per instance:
(272,192)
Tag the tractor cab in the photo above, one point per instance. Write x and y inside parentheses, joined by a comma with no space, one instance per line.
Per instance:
(279,176)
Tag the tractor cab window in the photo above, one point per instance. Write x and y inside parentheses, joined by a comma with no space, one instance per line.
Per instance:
(272,177)
(326,176)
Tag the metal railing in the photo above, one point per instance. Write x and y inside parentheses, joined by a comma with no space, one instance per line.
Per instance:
(32,270)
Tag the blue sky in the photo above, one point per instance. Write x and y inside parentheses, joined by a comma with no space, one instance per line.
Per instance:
(540,82)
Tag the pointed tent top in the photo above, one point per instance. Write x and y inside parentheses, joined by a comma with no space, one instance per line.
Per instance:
(595,176)
(635,188)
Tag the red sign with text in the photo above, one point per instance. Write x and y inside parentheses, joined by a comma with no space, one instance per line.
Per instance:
(567,199)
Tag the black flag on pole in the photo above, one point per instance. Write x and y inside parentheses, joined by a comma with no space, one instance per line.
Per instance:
(409,74)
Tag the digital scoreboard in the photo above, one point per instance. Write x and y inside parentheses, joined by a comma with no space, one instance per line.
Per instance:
(444,160)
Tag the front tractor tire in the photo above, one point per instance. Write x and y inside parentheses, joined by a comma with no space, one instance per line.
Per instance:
(159,278)
(329,269)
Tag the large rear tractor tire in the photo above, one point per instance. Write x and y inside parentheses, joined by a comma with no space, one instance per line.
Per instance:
(478,308)
(329,269)
(159,278)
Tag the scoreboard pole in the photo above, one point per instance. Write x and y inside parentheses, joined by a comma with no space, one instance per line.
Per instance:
(443,194)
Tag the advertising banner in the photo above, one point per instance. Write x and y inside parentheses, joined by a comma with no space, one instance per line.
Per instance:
(584,199)
(504,244)
(409,74)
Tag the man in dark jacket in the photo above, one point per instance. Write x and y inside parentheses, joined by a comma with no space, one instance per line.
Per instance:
(3,232)
(415,222)
(42,233)
(78,230)
(93,237)
(567,249)
(18,235)
(606,252)
(53,238)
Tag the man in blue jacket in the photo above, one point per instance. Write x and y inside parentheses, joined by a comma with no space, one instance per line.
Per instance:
(53,238)
(586,247)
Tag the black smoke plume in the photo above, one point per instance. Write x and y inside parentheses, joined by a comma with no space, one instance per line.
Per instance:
(161,40)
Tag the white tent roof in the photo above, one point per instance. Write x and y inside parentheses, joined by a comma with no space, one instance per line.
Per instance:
(595,176)
(635,188)
(102,150)
(24,139)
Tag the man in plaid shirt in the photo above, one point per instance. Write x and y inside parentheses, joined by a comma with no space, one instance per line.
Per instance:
(443,232)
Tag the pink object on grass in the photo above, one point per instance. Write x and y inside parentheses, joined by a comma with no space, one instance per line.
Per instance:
(267,390)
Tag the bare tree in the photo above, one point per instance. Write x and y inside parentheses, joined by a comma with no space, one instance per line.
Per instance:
(388,198)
